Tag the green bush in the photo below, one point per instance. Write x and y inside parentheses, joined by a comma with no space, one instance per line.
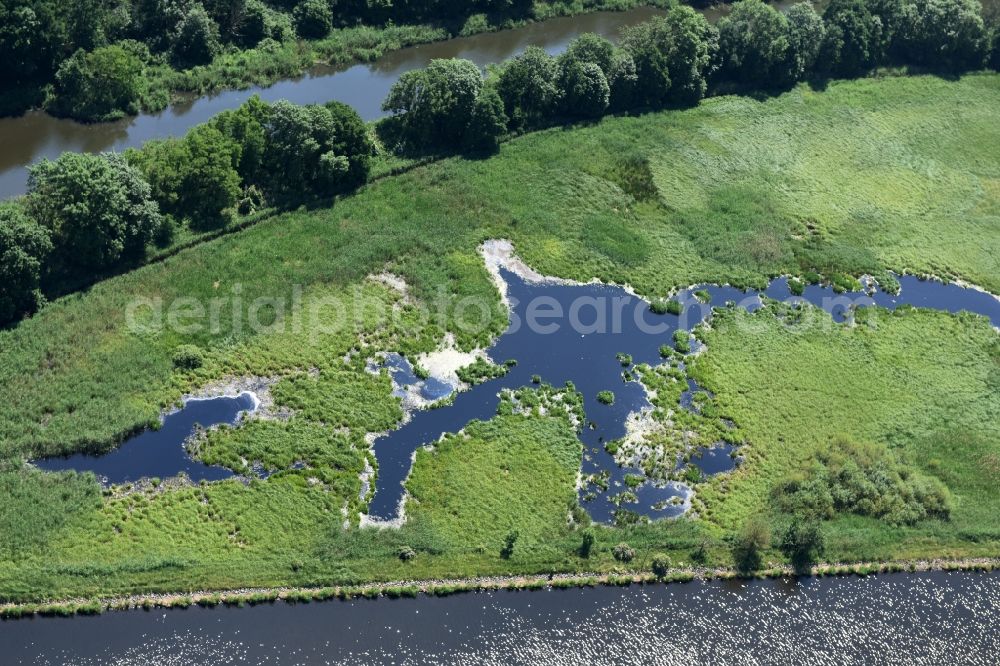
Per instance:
(481,370)
(586,543)
(749,544)
(682,341)
(606,397)
(802,541)
(508,544)
(666,306)
(623,552)
(862,478)
(188,357)
(313,19)
(660,565)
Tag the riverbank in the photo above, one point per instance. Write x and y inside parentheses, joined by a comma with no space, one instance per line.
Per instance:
(363,85)
(444,587)
(263,67)
(272,61)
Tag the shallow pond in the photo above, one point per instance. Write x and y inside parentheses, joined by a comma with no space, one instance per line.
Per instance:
(161,453)
(561,333)
(581,346)
(926,618)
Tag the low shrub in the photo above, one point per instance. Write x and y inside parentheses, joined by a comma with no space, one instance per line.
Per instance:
(682,342)
(188,357)
(623,552)
(660,565)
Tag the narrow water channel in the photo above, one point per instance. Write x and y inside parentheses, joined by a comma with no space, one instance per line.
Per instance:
(37,135)
(924,618)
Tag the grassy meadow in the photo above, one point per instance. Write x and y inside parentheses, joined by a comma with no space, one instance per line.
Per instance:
(863,177)
(794,389)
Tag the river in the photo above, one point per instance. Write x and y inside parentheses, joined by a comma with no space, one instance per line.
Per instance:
(37,135)
(922,618)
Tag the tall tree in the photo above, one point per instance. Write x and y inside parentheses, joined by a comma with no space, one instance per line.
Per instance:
(488,123)
(673,57)
(853,38)
(98,208)
(433,105)
(754,45)
(527,85)
(943,34)
(584,90)
(24,246)
(33,38)
(101,85)
(806,34)
(304,154)
(313,19)
(197,38)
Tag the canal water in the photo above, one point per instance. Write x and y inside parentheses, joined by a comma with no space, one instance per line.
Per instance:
(921,618)
(560,333)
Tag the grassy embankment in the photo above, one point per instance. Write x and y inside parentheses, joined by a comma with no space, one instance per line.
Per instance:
(865,176)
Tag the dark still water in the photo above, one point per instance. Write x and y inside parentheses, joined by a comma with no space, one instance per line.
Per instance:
(27,139)
(929,618)
(582,348)
(561,333)
(161,453)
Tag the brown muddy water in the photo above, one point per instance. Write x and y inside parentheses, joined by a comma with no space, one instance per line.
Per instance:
(36,135)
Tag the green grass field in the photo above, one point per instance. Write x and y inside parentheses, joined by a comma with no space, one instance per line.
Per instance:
(869,175)
(922,383)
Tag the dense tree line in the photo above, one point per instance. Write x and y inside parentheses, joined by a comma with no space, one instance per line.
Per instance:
(92,55)
(674,61)
(91,58)
(87,215)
